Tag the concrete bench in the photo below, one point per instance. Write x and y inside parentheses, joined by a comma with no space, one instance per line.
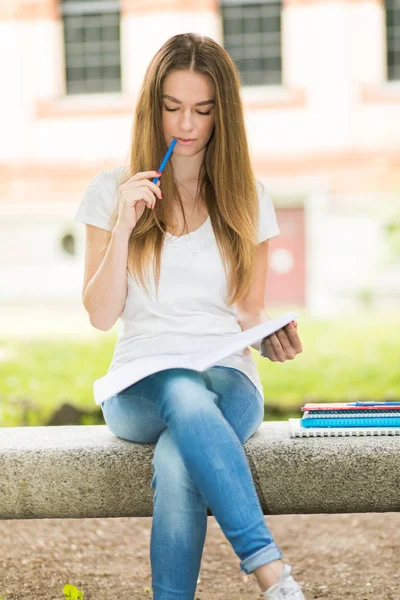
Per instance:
(86,471)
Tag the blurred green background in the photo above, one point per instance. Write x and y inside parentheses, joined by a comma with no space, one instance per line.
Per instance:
(346,358)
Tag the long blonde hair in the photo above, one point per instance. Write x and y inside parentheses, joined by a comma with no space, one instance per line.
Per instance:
(226,178)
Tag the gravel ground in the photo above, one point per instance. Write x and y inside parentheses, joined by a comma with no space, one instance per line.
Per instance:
(340,557)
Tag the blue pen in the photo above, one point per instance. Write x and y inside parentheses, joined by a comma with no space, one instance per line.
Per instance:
(374,404)
(166,157)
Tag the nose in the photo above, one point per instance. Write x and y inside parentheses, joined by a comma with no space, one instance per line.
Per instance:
(186,123)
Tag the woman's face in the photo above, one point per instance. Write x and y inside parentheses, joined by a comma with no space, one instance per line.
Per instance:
(182,116)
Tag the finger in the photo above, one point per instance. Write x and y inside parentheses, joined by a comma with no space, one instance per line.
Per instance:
(148,196)
(294,339)
(288,351)
(276,346)
(145,175)
(268,350)
(154,187)
(272,355)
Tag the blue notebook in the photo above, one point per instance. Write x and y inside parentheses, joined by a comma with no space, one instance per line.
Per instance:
(296,431)
(351,422)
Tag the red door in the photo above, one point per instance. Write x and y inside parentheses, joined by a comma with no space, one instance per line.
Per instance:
(286,273)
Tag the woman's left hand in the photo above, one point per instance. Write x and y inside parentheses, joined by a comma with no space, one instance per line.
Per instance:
(282,345)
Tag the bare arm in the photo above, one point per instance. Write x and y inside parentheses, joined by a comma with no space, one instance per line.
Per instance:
(105,282)
(285,343)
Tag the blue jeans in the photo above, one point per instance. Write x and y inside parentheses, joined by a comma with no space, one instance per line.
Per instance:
(199,422)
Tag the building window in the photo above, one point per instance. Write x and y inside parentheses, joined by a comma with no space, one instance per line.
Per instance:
(252,37)
(92,46)
(393,38)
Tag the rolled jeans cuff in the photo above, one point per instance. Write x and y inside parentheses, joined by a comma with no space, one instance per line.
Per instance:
(261,557)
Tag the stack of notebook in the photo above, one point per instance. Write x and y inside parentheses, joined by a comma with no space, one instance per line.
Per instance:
(347,419)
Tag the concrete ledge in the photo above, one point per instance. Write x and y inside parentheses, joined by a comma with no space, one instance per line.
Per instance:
(86,471)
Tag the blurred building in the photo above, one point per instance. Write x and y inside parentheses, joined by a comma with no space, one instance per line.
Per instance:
(321,90)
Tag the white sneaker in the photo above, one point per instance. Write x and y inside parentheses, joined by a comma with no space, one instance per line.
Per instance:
(286,588)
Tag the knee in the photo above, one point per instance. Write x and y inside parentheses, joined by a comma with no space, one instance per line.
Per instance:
(185,396)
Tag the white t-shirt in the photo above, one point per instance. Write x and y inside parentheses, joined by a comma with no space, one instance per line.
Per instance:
(190,309)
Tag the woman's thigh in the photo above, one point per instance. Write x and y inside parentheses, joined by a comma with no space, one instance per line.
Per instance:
(133,414)
(237,398)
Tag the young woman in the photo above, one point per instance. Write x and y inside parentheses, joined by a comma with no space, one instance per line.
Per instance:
(204,228)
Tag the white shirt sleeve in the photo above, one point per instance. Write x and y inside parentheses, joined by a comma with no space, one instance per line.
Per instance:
(268,225)
(99,200)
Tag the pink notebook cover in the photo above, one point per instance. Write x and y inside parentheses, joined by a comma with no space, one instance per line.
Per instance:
(350,406)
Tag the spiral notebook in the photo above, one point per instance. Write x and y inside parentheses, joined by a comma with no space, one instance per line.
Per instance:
(351,414)
(351,421)
(297,431)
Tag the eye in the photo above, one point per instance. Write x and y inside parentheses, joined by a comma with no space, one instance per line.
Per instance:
(198,112)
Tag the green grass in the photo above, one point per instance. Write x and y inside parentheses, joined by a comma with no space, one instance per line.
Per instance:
(346,358)
(343,359)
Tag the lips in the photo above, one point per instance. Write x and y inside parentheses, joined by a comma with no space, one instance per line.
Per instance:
(187,139)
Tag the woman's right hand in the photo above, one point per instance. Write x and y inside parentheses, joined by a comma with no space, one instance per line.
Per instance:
(136,193)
